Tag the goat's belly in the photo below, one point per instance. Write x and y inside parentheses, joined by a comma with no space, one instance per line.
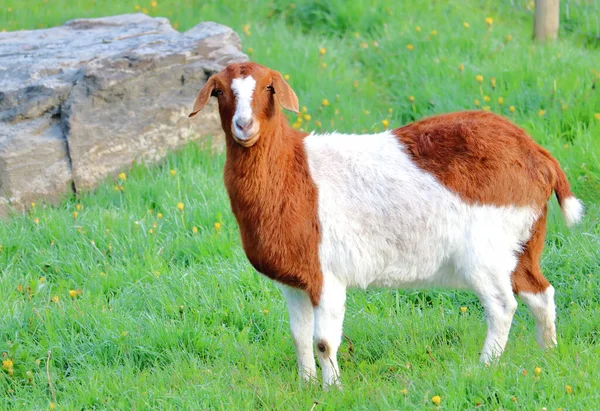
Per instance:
(397,260)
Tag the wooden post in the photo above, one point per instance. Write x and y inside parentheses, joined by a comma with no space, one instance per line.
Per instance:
(546,21)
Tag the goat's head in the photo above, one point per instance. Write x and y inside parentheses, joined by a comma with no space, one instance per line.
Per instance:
(248,95)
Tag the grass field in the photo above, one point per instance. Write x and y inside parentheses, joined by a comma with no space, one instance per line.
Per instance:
(146,306)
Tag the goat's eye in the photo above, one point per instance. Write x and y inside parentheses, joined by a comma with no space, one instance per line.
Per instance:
(270,89)
(216,92)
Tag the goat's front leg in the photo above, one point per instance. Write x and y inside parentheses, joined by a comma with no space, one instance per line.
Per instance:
(302,327)
(329,319)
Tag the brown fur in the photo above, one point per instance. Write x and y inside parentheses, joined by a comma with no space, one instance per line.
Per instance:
(486,159)
(272,195)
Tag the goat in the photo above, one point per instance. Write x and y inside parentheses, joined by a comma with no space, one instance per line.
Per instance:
(456,200)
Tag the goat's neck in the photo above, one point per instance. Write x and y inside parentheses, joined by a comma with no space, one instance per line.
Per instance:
(268,170)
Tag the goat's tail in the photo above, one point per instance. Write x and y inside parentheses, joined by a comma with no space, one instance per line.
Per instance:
(571,207)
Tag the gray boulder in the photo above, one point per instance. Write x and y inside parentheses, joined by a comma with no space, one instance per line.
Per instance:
(81,101)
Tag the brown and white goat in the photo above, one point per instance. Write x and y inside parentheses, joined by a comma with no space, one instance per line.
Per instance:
(456,200)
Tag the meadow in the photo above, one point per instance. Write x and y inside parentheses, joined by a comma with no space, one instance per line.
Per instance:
(138,296)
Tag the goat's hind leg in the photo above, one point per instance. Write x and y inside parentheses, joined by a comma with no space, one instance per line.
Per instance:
(302,327)
(492,284)
(533,288)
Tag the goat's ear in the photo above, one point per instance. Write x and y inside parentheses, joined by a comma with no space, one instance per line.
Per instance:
(284,93)
(203,96)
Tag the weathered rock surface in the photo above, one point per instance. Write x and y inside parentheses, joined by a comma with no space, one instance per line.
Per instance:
(81,101)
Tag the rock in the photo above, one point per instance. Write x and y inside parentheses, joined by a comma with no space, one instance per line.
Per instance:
(81,101)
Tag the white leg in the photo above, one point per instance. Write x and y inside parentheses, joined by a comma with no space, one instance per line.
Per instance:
(302,327)
(544,311)
(329,319)
(500,305)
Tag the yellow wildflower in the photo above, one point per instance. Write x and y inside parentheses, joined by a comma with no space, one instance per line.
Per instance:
(36,220)
(286,77)
(8,365)
(512,109)
(385,123)
(355,83)
(410,47)
(265,312)
(514,399)
(250,50)
(73,293)
(159,215)
(195,230)
(486,98)
(322,51)
(32,205)
(436,400)
(537,371)
(52,406)
(172,172)
(597,116)
(217,226)
(154,4)
(461,67)
(404,391)
(569,389)
(479,78)
(434,32)
(476,103)
(176,25)
(487,108)
(246,29)
(463,309)
(318,123)
(418,28)
(541,113)
(307,117)
(122,176)
(137,7)
(508,38)
(323,65)
(466,25)
(121,188)
(75,214)
(180,206)
(364,45)
(411,99)
(116,188)
(55,299)
(78,206)
(489,21)
(42,280)
(325,102)
(493,82)
(500,100)
(390,110)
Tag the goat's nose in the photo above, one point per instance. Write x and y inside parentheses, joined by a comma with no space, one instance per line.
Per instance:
(244,125)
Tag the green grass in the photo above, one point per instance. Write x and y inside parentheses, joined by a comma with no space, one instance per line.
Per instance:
(175,318)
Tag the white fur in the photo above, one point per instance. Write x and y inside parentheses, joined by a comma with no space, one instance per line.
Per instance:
(386,222)
(544,311)
(302,326)
(572,210)
(243,90)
